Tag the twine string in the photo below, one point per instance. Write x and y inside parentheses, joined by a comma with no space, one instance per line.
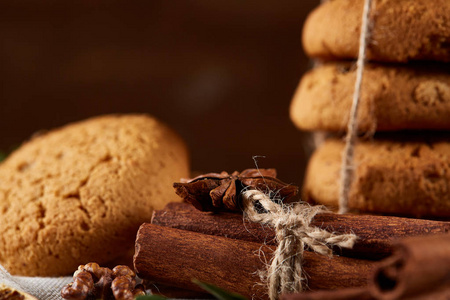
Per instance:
(352,126)
(294,233)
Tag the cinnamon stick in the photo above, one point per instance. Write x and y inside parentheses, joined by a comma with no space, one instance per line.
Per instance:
(418,269)
(418,265)
(376,233)
(175,257)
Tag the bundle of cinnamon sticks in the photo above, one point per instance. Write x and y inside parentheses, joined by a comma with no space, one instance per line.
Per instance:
(183,243)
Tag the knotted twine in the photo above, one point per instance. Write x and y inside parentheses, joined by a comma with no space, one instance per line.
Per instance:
(352,126)
(293,231)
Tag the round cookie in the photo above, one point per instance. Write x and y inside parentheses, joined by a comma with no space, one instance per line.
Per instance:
(392,98)
(407,177)
(80,193)
(402,30)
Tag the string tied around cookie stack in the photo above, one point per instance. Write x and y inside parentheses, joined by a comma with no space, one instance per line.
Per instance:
(294,233)
(352,126)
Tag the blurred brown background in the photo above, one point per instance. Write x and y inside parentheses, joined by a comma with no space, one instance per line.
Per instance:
(221,73)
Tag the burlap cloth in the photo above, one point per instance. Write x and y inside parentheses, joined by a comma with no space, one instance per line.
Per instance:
(43,288)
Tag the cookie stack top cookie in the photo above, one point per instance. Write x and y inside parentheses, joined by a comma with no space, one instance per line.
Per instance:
(401,30)
(405,86)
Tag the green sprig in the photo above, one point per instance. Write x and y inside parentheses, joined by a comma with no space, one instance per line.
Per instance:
(217,292)
(3,155)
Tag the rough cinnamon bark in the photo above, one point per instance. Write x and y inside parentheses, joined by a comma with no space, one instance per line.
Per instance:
(376,233)
(175,257)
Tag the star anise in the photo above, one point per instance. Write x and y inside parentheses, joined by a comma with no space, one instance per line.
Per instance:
(220,191)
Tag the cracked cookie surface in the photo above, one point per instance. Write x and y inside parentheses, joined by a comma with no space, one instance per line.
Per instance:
(79,193)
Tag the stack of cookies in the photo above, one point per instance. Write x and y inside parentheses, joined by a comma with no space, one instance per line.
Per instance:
(402,158)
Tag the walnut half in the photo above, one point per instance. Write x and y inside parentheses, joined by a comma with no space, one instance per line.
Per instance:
(91,281)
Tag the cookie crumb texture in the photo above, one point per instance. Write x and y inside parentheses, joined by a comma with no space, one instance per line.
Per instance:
(80,193)
(407,178)
(402,30)
(392,98)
